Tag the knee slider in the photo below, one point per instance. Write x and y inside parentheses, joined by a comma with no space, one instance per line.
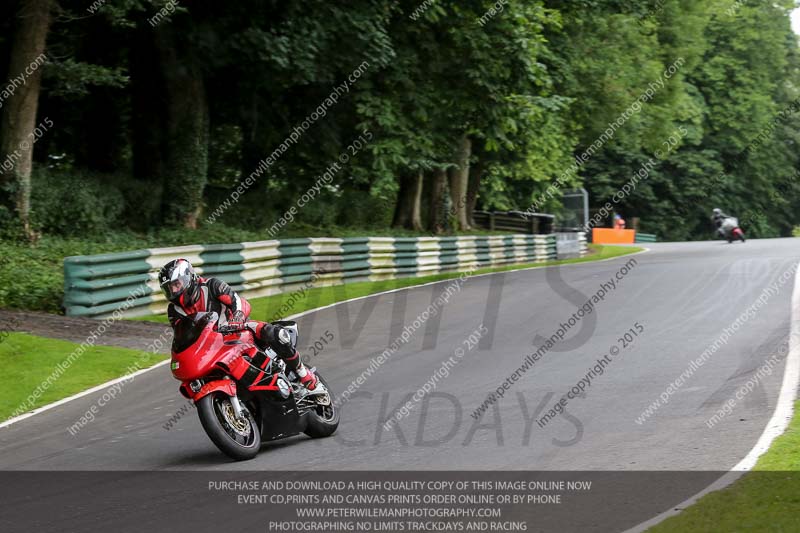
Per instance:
(280,340)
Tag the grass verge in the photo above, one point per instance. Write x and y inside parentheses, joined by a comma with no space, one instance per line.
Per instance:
(281,305)
(765,499)
(28,361)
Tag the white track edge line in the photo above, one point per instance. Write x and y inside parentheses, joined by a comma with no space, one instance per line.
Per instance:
(777,424)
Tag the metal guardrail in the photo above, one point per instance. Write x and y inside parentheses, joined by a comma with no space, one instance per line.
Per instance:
(518,221)
(99,285)
(645,237)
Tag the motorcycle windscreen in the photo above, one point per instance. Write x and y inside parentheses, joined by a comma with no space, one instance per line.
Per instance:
(187,331)
(186,334)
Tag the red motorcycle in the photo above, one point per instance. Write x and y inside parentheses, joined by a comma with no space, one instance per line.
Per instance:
(244,395)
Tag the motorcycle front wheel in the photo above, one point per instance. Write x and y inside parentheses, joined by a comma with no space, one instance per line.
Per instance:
(238,438)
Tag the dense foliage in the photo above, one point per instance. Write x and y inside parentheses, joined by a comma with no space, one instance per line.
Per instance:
(413,114)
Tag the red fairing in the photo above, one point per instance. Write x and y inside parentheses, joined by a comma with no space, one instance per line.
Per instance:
(238,366)
(199,359)
(223,385)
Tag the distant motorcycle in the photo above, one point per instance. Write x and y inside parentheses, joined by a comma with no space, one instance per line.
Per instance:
(238,413)
(731,230)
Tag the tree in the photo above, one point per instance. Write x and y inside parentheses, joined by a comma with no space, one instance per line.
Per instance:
(20,113)
(186,164)
(408,211)
(458,179)
(467,106)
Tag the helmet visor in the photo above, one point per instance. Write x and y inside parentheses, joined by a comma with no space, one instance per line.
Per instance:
(175,287)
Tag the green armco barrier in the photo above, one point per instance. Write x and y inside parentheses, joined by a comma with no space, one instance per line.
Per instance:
(645,237)
(126,283)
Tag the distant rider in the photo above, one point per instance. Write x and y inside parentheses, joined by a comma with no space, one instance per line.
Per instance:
(718,217)
(190,294)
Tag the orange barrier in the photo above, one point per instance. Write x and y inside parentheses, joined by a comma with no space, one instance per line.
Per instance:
(613,236)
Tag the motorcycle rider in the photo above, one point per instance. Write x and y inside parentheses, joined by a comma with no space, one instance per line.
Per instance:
(718,217)
(190,294)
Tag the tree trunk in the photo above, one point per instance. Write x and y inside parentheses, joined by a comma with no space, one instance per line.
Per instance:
(435,216)
(458,178)
(402,215)
(408,212)
(416,208)
(187,130)
(474,185)
(19,114)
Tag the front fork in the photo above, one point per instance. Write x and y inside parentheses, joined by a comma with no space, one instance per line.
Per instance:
(239,409)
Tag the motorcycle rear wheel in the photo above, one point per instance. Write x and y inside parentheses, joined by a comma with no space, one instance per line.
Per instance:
(239,440)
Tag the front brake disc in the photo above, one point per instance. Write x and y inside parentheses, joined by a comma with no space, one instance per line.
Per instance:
(240,425)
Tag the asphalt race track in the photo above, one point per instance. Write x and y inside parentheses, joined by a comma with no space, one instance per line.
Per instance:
(679,299)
